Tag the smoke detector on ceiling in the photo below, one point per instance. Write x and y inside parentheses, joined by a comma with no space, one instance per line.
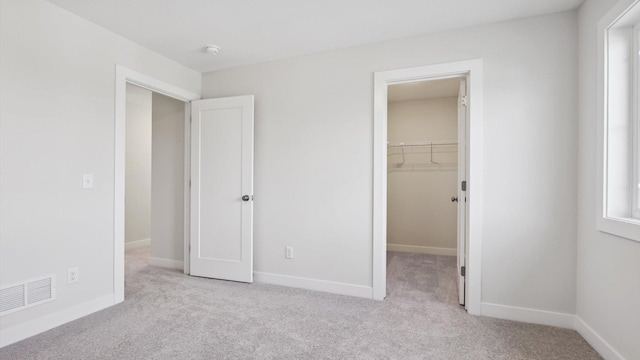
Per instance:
(212,49)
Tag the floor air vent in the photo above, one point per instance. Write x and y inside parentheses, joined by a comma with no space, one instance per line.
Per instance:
(21,296)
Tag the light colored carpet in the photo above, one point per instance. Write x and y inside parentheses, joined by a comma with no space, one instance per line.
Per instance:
(167,315)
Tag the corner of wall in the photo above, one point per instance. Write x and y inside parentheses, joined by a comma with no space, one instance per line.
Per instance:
(595,340)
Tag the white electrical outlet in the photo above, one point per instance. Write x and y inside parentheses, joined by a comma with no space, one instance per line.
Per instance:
(73,275)
(289,252)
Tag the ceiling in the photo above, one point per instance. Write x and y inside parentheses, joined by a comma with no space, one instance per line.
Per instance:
(254,31)
(423,90)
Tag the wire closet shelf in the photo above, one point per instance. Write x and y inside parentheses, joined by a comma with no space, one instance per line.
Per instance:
(423,150)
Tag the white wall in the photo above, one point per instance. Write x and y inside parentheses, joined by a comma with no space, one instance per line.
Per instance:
(314,160)
(608,285)
(138,165)
(167,184)
(314,156)
(56,123)
(420,213)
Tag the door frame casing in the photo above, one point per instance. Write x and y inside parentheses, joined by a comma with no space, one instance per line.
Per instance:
(126,76)
(472,70)
(462,120)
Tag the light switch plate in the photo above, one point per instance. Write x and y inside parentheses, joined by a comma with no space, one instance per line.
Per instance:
(87,181)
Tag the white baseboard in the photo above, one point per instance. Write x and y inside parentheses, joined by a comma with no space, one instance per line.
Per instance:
(166,263)
(527,315)
(422,249)
(20,332)
(314,284)
(596,341)
(137,244)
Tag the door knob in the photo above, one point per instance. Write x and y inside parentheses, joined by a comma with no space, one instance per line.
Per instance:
(245,197)
(454,199)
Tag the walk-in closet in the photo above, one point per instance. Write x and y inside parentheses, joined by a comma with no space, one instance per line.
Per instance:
(422,187)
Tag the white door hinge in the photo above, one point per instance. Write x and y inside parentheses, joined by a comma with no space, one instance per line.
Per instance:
(463,101)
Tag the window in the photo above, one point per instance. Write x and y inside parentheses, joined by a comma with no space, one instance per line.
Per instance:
(619,125)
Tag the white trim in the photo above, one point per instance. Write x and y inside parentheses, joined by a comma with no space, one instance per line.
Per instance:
(422,249)
(166,263)
(635,128)
(20,332)
(527,315)
(314,284)
(155,85)
(623,227)
(124,76)
(472,69)
(596,341)
(137,244)
(187,189)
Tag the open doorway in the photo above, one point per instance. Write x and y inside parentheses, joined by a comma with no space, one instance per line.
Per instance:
(205,122)
(426,123)
(154,180)
(125,77)
(469,245)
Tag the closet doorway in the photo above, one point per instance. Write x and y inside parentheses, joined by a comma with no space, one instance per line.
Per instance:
(426,200)
(467,272)
(426,123)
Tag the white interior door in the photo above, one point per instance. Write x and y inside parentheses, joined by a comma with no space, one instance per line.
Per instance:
(222,188)
(462,196)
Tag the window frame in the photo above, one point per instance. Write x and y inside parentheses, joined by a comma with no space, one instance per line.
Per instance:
(635,183)
(626,225)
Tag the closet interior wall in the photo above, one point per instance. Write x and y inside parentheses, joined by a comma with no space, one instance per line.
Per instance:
(422,179)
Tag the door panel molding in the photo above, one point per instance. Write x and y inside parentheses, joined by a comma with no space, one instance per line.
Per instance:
(222,188)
